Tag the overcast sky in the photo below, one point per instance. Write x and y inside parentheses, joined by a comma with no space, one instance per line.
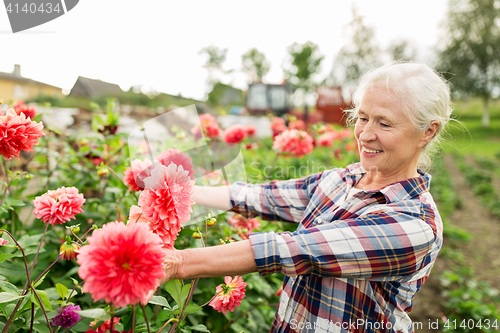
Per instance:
(155,43)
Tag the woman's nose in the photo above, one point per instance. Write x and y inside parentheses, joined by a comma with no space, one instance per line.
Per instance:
(368,133)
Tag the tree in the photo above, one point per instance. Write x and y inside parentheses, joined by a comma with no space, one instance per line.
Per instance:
(402,49)
(470,59)
(306,61)
(359,56)
(255,64)
(215,60)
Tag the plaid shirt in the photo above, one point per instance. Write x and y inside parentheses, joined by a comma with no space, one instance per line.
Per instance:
(355,262)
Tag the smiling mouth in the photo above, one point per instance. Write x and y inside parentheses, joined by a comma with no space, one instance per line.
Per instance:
(371,151)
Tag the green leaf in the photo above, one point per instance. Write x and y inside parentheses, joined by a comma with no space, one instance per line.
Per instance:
(192,308)
(41,328)
(185,293)
(75,281)
(43,297)
(16,203)
(6,256)
(61,290)
(9,287)
(99,314)
(174,288)
(27,241)
(12,270)
(7,297)
(40,280)
(199,328)
(159,300)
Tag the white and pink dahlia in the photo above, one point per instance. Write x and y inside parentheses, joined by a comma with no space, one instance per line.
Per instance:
(173,155)
(134,176)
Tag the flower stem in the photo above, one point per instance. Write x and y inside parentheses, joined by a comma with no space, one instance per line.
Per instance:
(165,325)
(145,317)
(32,316)
(111,329)
(272,167)
(4,171)
(38,251)
(121,181)
(47,269)
(28,282)
(194,283)
(133,317)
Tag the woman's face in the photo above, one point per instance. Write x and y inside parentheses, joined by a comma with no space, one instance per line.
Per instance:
(387,140)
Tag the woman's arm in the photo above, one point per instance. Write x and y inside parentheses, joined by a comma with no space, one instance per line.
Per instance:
(216,197)
(229,259)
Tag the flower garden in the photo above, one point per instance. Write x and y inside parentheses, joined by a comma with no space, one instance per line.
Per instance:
(85,228)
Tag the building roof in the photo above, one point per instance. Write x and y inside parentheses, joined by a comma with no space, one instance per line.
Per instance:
(93,88)
(16,76)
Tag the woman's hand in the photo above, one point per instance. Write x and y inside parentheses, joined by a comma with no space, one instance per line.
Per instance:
(171,265)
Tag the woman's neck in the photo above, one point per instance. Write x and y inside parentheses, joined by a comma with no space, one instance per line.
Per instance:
(374,180)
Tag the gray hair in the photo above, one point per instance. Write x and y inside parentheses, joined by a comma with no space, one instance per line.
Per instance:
(423,93)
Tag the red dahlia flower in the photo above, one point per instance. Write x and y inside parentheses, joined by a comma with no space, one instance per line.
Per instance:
(229,295)
(59,206)
(122,263)
(29,111)
(18,133)
(235,134)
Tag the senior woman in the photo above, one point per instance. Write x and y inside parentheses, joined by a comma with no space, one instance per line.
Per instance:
(367,236)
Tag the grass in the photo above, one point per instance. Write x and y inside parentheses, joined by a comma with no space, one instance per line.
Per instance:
(467,136)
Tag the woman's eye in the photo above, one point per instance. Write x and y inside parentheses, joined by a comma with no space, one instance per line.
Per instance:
(385,125)
(362,119)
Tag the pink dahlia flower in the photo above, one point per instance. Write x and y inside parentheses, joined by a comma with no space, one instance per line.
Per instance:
(326,139)
(29,111)
(166,201)
(235,134)
(240,222)
(293,143)
(297,124)
(3,241)
(278,125)
(175,156)
(209,126)
(122,263)
(18,133)
(134,176)
(59,206)
(251,130)
(229,295)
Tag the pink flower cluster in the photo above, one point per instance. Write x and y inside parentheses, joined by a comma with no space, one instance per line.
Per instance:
(209,127)
(229,295)
(166,201)
(278,125)
(293,143)
(18,133)
(235,134)
(59,206)
(29,111)
(121,263)
(240,222)
(139,170)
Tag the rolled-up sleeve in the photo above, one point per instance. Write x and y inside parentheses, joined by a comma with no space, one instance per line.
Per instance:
(380,244)
(277,200)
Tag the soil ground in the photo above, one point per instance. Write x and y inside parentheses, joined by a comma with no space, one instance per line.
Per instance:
(481,252)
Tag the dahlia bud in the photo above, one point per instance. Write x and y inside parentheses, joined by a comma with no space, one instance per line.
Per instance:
(226,241)
(102,170)
(197,235)
(69,249)
(211,222)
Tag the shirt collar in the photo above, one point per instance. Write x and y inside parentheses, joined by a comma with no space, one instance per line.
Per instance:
(399,191)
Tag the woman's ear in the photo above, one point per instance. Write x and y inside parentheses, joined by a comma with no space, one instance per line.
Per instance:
(429,133)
